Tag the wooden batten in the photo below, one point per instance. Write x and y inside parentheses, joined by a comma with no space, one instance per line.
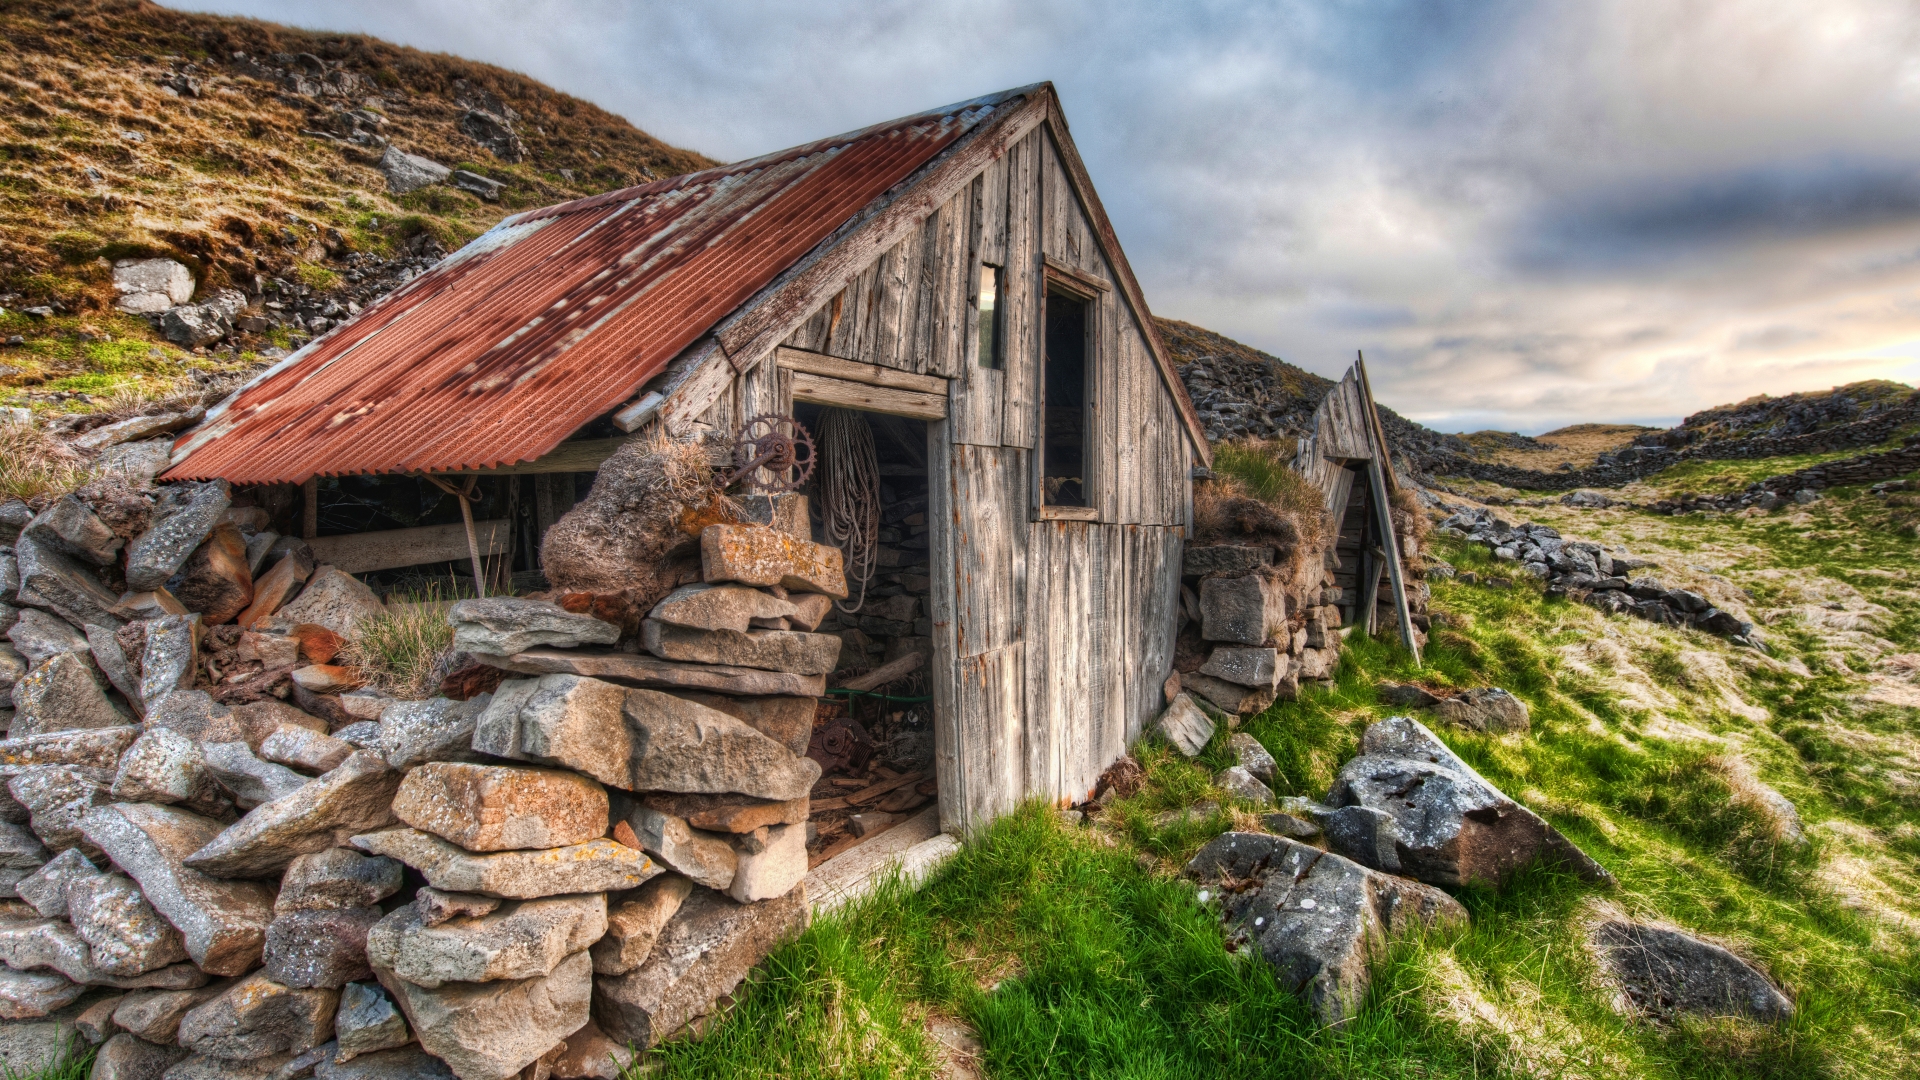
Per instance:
(841,393)
(815,363)
(584,455)
(360,553)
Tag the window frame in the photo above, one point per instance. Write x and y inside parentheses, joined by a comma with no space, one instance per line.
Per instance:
(1087,291)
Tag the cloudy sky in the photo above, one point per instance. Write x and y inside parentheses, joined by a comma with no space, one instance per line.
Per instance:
(1527,214)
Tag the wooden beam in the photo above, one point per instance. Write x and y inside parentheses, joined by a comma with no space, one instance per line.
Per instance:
(1384,517)
(821,390)
(358,553)
(586,455)
(1073,279)
(1066,513)
(814,363)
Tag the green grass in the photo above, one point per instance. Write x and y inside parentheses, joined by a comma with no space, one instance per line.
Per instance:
(1081,952)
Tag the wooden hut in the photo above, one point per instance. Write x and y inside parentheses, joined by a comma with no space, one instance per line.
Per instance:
(1346,456)
(951,276)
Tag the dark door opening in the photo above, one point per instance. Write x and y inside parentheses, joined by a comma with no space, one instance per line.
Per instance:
(1063,439)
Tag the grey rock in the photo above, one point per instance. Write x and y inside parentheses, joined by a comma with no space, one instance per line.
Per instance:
(58,797)
(1662,971)
(336,878)
(151,285)
(125,1057)
(51,580)
(1285,824)
(520,940)
(436,906)
(704,952)
(333,599)
(406,1062)
(408,172)
(589,1053)
(304,749)
(502,807)
(251,780)
(1406,696)
(1248,609)
(154,1015)
(138,427)
(40,637)
(506,624)
(707,858)
(20,849)
(353,798)
(70,527)
(171,652)
(483,186)
(30,995)
(492,1030)
(1249,754)
(112,660)
(36,1047)
(1240,783)
(207,1067)
(718,607)
(1224,560)
(413,733)
(55,946)
(771,650)
(319,947)
(682,746)
(127,936)
(786,720)
(1259,669)
(595,866)
(367,1021)
(137,462)
(364,735)
(635,923)
(1319,919)
(1485,709)
(46,888)
(98,749)
(182,520)
(13,667)
(194,715)
(560,720)
(651,671)
(258,1018)
(1449,826)
(1184,726)
(164,766)
(193,325)
(1228,697)
(64,694)
(224,923)
(770,868)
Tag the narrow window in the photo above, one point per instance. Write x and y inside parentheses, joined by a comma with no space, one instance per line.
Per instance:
(1063,447)
(992,349)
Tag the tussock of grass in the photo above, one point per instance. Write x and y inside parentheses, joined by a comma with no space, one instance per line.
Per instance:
(400,651)
(35,466)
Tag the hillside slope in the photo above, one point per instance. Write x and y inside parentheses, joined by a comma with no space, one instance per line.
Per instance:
(244,148)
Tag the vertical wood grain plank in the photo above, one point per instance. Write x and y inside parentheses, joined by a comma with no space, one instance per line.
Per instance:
(950,294)
(1025,295)
(949,761)
(974,402)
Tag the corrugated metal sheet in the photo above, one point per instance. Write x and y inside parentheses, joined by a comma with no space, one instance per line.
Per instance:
(553,318)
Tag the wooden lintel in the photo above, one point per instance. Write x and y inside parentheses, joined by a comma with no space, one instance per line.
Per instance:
(814,363)
(358,553)
(821,390)
(1073,278)
(1066,513)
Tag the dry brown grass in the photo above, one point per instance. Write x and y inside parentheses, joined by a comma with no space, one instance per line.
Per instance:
(1577,445)
(36,467)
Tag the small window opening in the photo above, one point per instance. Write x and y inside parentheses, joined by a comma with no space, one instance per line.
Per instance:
(992,346)
(1063,449)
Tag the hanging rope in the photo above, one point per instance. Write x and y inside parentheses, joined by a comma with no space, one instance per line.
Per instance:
(850,495)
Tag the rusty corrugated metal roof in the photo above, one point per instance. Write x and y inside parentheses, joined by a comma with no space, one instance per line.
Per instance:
(552,318)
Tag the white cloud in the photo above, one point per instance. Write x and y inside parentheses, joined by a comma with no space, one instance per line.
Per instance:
(1528,215)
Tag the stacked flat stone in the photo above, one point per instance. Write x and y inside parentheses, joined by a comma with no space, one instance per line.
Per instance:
(698,742)
(1265,633)
(205,883)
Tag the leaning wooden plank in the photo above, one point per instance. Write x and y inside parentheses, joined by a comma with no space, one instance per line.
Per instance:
(1383,512)
(358,553)
(816,363)
(821,390)
(915,848)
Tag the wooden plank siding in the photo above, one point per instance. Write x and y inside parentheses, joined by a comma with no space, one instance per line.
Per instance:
(1051,638)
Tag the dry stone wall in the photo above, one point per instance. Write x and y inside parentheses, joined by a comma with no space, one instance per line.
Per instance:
(222,856)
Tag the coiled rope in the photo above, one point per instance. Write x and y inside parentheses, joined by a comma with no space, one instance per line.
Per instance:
(850,495)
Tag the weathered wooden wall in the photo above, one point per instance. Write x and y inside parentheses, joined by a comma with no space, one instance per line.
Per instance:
(1051,638)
